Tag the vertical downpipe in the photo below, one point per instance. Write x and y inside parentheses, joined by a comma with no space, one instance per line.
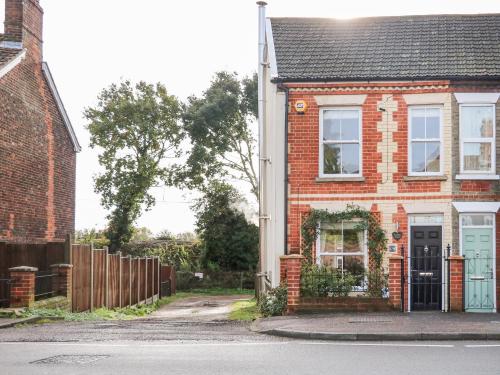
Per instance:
(262,146)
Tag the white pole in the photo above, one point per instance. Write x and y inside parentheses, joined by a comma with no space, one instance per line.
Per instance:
(262,144)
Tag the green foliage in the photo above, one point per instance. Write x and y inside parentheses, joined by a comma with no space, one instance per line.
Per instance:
(274,302)
(244,310)
(135,127)
(141,234)
(377,240)
(88,236)
(183,255)
(227,238)
(219,126)
(321,281)
(377,283)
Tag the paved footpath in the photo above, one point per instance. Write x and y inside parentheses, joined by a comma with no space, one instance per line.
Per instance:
(387,326)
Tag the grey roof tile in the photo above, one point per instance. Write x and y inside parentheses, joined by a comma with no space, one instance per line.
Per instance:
(406,47)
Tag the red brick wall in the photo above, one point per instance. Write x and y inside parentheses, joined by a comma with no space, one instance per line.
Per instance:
(38,161)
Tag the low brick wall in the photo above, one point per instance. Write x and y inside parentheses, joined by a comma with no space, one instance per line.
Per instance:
(343,304)
(59,302)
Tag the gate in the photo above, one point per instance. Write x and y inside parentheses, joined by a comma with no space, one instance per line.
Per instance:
(4,292)
(479,285)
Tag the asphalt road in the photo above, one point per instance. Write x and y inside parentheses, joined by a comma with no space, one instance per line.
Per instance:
(258,357)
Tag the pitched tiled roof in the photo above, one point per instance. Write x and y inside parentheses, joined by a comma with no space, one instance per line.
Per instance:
(7,54)
(399,48)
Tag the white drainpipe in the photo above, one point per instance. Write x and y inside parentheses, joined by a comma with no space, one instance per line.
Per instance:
(262,145)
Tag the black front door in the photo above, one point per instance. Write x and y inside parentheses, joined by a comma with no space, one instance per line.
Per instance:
(425,268)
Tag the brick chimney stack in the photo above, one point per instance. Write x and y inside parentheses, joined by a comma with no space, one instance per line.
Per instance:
(23,25)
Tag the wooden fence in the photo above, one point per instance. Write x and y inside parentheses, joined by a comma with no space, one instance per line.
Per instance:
(111,280)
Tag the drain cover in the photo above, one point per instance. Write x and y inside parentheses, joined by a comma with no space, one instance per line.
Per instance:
(370,320)
(70,359)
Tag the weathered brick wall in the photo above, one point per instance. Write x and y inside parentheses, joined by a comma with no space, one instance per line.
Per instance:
(38,161)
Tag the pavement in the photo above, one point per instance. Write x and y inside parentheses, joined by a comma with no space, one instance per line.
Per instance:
(386,326)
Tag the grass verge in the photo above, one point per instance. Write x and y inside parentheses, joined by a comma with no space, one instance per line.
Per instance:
(244,310)
(127,313)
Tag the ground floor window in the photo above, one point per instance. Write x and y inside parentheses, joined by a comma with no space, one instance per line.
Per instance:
(343,246)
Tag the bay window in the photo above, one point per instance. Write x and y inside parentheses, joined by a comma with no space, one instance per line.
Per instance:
(343,246)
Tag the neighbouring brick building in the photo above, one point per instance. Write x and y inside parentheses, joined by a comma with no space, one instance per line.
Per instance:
(399,116)
(37,143)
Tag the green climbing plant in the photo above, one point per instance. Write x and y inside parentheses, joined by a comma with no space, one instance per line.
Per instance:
(365,220)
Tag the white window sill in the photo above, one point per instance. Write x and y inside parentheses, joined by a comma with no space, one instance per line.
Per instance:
(340,179)
(425,178)
(477,177)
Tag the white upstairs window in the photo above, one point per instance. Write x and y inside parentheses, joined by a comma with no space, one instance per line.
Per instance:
(340,142)
(425,141)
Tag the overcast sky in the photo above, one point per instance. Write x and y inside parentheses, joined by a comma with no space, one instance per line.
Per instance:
(92,43)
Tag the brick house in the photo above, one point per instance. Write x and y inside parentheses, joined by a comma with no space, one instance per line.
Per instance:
(399,116)
(38,145)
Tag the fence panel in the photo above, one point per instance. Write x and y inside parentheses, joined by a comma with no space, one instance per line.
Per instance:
(81,256)
(150,277)
(99,278)
(142,279)
(125,282)
(135,281)
(114,281)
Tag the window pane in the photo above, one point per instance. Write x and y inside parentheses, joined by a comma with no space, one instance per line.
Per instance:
(418,157)
(331,240)
(477,156)
(468,220)
(353,238)
(350,158)
(432,157)
(418,124)
(331,159)
(432,124)
(331,125)
(355,265)
(350,126)
(477,122)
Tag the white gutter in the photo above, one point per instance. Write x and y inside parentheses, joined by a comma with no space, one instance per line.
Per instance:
(12,63)
(262,145)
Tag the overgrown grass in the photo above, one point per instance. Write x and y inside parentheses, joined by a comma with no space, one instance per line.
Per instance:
(244,310)
(128,313)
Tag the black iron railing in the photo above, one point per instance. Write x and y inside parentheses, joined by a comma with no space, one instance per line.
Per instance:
(4,292)
(44,285)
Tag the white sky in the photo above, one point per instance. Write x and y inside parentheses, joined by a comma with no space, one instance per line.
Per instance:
(92,43)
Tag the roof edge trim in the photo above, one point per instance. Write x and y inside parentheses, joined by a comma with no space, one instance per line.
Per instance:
(270,49)
(60,106)
(12,63)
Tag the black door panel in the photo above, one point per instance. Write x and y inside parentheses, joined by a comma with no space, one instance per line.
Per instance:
(426,268)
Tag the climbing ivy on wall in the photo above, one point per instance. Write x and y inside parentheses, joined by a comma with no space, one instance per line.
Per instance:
(366,220)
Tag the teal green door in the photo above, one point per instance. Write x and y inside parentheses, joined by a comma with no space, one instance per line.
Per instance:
(479,266)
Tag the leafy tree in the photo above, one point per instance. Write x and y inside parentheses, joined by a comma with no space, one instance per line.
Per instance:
(88,236)
(135,128)
(141,234)
(227,238)
(219,126)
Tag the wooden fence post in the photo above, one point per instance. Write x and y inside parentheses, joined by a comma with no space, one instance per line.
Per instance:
(138,280)
(68,254)
(129,281)
(146,280)
(120,289)
(106,273)
(92,276)
(159,278)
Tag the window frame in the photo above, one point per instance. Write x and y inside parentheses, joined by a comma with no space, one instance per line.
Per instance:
(491,140)
(364,252)
(323,142)
(422,140)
